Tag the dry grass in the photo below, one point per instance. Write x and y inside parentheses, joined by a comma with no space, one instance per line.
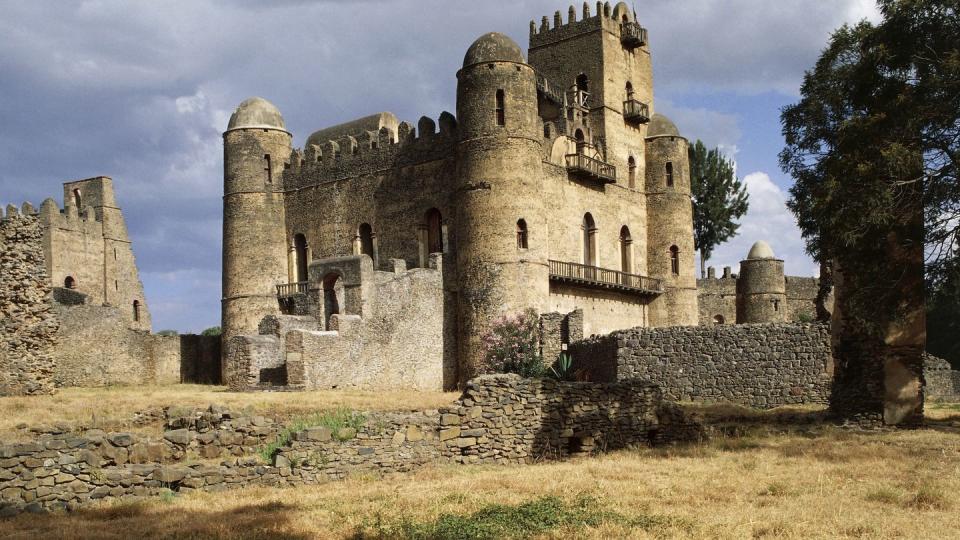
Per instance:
(114,407)
(815,482)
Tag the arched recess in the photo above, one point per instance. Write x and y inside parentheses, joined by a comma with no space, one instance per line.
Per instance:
(589,240)
(332,293)
(69,283)
(367,242)
(522,239)
(626,250)
(583,83)
(719,319)
(632,172)
(675,260)
(300,257)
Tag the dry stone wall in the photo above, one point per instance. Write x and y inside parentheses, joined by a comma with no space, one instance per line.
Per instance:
(28,325)
(499,419)
(941,382)
(761,365)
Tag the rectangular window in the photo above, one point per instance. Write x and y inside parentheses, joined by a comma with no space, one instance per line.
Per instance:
(501,112)
(268,169)
(669,174)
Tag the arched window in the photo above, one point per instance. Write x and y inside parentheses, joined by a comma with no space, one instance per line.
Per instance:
(669,174)
(300,249)
(629,84)
(522,234)
(70,283)
(581,140)
(583,83)
(365,232)
(501,109)
(625,18)
(675,260)
(77,199)
(632,172)
(626,250)
(718,319)
(589,240)
(136,311)
(434,231)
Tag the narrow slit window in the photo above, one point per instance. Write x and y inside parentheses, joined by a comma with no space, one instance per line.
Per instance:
(522,241)
(669,174)
(501,112)
(675,260)
(268,169)
(632,172)
(136,311)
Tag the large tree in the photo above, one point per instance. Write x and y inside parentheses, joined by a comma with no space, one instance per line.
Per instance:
(719,200)
(873,146)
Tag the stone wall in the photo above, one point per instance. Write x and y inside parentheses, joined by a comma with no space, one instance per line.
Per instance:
(28,326)
(763,365)
(499,419)
(718,298)
(942,383)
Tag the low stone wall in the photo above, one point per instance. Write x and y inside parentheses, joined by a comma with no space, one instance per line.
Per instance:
(28,326)
(498,419)
(761,365)
(942,382)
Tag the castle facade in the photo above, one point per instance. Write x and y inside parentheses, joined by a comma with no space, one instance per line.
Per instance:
(555,187)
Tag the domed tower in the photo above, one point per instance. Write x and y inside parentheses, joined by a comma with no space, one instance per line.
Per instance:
(256,146)
(670,249)
(501,230)
(761,287)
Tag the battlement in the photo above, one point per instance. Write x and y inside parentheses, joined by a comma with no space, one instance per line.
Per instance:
(372,151)
(605,18)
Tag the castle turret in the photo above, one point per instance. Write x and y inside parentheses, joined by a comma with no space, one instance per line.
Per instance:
(256,147)
(670,247)
(761,287)
(501,228)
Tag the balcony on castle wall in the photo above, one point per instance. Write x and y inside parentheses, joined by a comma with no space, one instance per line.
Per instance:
(632,35)
(603,278)
(289,290)
(636,112)
(590,168)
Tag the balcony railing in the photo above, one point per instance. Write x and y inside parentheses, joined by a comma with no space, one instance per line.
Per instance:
(632,35)
(592,168)
(636,111)
(603,278)
(291,289)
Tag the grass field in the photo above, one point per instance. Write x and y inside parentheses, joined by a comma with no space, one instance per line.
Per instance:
(776,479)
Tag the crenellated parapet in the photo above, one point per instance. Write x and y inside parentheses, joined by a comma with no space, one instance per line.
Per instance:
(605,17)
(371,151)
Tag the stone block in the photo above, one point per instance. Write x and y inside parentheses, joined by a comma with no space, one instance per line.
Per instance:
(450,433)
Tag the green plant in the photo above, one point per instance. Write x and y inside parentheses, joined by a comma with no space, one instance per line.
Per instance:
(335,420)
(512,346)
(805,317)
(561,369)
(167,496)
(212,331)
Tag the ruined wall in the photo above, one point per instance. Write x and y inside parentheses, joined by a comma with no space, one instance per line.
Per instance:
(718,296)
(941,382)
(28,327)
(759,365)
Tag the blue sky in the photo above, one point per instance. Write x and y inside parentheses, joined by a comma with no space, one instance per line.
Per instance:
(141,91)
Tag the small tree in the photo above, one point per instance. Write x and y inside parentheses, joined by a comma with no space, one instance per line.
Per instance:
(513,346)
(719,199)
(212,331)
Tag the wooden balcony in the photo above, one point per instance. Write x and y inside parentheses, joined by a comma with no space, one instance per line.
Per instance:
(632,35)
(603,278)
(291,289)
(636,112)
(590,168)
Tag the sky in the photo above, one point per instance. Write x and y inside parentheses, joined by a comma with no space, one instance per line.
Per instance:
(142,91)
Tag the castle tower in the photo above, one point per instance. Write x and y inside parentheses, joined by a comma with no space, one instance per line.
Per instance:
(670,246)
(605,53)
(256,147)
(761,287)
(501,228)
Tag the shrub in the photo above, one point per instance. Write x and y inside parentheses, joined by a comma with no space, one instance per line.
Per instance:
(805,317)
(212,331)
(513,346)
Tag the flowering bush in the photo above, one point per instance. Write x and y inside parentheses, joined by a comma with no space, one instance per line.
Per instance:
(513,346)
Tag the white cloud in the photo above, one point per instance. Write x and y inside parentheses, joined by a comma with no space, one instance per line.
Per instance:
(767,219)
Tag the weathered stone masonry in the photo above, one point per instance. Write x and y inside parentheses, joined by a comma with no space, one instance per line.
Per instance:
(759,365)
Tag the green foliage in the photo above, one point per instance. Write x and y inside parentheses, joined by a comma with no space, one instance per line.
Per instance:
(531,519)
(212,331)
(562,369)
(513,346)
(874,146)
(805,317)
(943,314)
(335,420)
(167,333)
(719,199)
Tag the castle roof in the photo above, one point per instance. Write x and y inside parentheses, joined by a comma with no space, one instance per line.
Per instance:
(661,126)
(256,112)
(493,47)
(761,250)
(355,128)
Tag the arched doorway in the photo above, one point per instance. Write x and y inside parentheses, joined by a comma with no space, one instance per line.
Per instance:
(626,250)
(300,249)
(332,292)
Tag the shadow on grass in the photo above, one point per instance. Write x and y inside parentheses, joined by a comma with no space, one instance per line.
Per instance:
(157,519)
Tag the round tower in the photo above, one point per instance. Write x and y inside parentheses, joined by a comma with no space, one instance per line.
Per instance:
(501,229)
(256,146)
(670,246)
(761,287)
